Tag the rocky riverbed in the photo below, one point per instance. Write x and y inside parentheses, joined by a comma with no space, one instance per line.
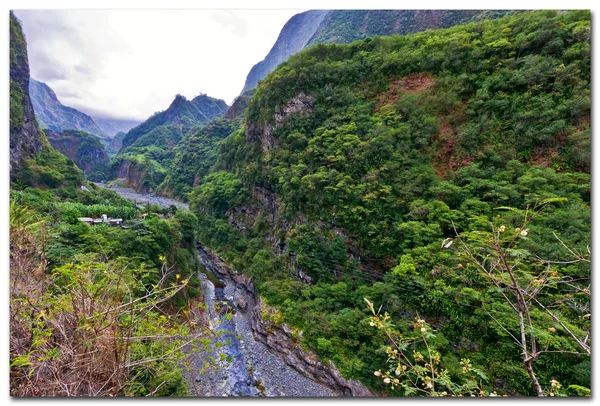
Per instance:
(249,368)
(243,366)
(143,199)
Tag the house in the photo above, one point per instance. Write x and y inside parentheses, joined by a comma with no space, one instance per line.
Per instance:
(103,220)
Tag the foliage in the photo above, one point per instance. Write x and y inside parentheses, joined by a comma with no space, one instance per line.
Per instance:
(99,311)
(400,143)
(420,372)
(18,65)
(534,290)
(50,169)
(219,192)
(196,155)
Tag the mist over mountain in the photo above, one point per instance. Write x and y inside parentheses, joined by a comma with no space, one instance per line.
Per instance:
(52,114)
(112,126)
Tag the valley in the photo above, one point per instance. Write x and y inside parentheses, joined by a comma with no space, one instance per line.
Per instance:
(398,204)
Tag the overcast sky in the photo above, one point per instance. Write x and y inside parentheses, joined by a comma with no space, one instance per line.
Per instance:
(131,63)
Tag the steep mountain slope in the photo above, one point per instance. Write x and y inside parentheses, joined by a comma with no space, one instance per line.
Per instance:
(84,149)
(294,37)
(196,155)
(112,126)
(357,161)
(344,26)
(25,136)
(198,152)
(52,114)
(33,161)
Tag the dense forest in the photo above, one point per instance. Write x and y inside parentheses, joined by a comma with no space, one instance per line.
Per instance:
(413,208)
(444,177)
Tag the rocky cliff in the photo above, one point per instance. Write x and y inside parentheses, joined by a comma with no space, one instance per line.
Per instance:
(84,149)
(279,337)
(26,139)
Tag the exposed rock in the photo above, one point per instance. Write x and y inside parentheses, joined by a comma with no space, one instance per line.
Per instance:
(131,175)
(84,149)
(299,105)
(281,339)
(25,136)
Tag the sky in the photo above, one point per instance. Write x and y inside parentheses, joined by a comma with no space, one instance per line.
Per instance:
(128,64)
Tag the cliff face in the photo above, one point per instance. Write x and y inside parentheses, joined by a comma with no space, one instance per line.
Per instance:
(279,337)
(293,38)
(84,149)
(25,136)
(52,114)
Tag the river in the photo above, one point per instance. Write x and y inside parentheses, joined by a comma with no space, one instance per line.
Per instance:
(244,366)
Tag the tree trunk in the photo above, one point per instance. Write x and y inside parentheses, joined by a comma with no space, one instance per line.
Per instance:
(536,384)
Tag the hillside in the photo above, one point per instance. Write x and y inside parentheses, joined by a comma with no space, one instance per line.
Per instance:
(360,164)
(294,36)
(33,161)
(52,114)
(344,26)
(84,149)
(196,155)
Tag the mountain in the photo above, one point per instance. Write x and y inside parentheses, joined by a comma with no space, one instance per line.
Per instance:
(344,26)
(84,149)
(360,164)
(294,37)
(112,126)
(33,161)
(148,150)
(25,137)
(52,114)
(181,116)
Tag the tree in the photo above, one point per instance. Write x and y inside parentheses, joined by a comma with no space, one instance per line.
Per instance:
(522,281)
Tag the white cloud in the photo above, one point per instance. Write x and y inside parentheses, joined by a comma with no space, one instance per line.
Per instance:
(131,63)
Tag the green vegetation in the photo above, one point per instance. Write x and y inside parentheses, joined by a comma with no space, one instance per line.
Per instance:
(403,143)
(345,26)
(86,151)
(18,63)
(442,176)
(94,311)
(50,169)
(195,157)
(151,148)
(99,311)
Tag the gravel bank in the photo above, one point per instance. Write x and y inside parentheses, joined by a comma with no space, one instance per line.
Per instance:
(142,198)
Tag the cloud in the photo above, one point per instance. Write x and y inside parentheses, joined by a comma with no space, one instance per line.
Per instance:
(130,63)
